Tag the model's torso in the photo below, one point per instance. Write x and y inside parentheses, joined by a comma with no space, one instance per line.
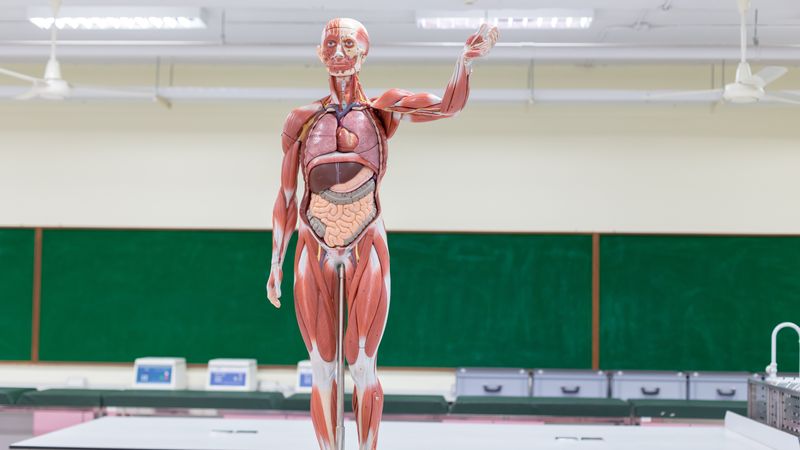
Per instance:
(342,159)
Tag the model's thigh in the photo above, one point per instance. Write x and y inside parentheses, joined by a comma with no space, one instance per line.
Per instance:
(368,295)
(316,312)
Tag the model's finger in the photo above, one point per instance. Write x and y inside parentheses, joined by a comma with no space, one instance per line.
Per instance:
(493,35)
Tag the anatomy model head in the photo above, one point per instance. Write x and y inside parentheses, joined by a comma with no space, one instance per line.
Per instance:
(344,46)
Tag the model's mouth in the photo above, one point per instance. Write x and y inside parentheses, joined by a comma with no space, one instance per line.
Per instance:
(340,67)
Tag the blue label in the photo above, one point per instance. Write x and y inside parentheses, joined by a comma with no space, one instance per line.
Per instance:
(305,380)
(228,378)
(154,374)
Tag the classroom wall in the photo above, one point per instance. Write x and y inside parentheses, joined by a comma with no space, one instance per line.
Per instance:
(529,168)
(510,167)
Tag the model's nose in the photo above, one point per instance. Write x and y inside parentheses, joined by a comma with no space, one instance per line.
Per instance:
(339,53)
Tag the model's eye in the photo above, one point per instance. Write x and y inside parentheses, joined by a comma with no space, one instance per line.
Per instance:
(349,43)
(331,43)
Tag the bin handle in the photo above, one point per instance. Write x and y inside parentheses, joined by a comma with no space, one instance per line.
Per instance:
(573,390)
(729,393)
(655,391)
(492,389)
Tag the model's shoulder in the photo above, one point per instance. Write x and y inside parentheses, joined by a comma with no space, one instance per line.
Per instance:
(389,120)
(299,117)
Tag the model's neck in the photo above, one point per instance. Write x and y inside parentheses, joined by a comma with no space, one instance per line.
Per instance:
(346,90)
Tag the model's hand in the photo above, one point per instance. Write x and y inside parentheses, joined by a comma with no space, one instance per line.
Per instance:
(274,285)
(480,43)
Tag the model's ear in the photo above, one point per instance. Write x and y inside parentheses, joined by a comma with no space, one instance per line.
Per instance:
(359,61)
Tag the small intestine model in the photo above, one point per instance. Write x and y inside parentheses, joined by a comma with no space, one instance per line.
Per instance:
(339,144)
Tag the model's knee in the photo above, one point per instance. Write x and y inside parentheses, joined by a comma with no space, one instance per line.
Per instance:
(363,370)
(323,371)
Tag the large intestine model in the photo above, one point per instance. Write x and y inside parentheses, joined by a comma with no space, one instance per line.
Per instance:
(339,144)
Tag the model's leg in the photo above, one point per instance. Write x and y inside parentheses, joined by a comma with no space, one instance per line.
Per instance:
(317,318)
(368,297)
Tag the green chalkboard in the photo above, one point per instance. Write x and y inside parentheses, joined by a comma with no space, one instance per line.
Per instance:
(697,303)
(113,295)
(457,299)
(489,300)
(16,293)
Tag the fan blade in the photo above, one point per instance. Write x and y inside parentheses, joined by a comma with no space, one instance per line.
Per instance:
(20,76)
(691,95)
(31,93)
(771,73)
(781,99)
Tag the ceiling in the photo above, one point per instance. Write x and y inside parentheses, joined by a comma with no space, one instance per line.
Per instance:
(258,31)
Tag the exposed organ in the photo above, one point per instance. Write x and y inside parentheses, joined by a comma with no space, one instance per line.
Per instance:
(325,176)
(354,134)
(339,218)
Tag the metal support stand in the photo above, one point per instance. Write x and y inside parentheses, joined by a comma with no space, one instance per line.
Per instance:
(340,366)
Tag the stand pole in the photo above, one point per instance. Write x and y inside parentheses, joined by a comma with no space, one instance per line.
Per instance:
(340,366)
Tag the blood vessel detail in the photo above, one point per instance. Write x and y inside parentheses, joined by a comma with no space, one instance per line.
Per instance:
(339,144)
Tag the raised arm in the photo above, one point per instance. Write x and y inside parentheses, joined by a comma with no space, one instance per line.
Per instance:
(422,107)
(284,214)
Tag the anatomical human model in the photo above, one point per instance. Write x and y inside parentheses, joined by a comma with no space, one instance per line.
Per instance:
(339,144)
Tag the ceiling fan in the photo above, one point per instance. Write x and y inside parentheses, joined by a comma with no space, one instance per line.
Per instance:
(52,85)
(748,87)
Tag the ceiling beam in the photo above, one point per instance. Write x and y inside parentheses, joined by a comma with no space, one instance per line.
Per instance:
(16,51)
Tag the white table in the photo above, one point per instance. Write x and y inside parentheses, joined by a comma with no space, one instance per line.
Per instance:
(168,433)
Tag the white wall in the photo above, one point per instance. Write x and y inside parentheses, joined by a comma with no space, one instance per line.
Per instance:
(493,168)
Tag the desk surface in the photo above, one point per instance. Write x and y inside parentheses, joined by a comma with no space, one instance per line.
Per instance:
(160,433)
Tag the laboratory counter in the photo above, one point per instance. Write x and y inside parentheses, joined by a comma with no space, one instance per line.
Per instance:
(393,404)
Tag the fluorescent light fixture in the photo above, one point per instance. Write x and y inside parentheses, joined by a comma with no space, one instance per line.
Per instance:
(510,19)
(119,18)
(450,20)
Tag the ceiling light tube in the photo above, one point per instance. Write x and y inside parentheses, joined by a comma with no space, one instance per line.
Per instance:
(119,18)
(537,19)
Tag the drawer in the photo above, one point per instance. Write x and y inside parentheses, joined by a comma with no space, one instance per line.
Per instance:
(719,385)
(570,383)
(492,382)
(650,385)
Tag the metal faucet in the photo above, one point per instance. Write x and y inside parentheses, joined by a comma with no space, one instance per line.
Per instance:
(772,368)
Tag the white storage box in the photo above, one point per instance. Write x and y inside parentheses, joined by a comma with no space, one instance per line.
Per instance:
(493,382)
(232,375)
(159,373)
(719,385)
(570,383)
(640,384)
(305,377)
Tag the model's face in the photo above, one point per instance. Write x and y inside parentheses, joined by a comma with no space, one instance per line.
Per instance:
(342,49)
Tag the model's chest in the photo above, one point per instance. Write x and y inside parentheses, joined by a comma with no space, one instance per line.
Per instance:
(355,132)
